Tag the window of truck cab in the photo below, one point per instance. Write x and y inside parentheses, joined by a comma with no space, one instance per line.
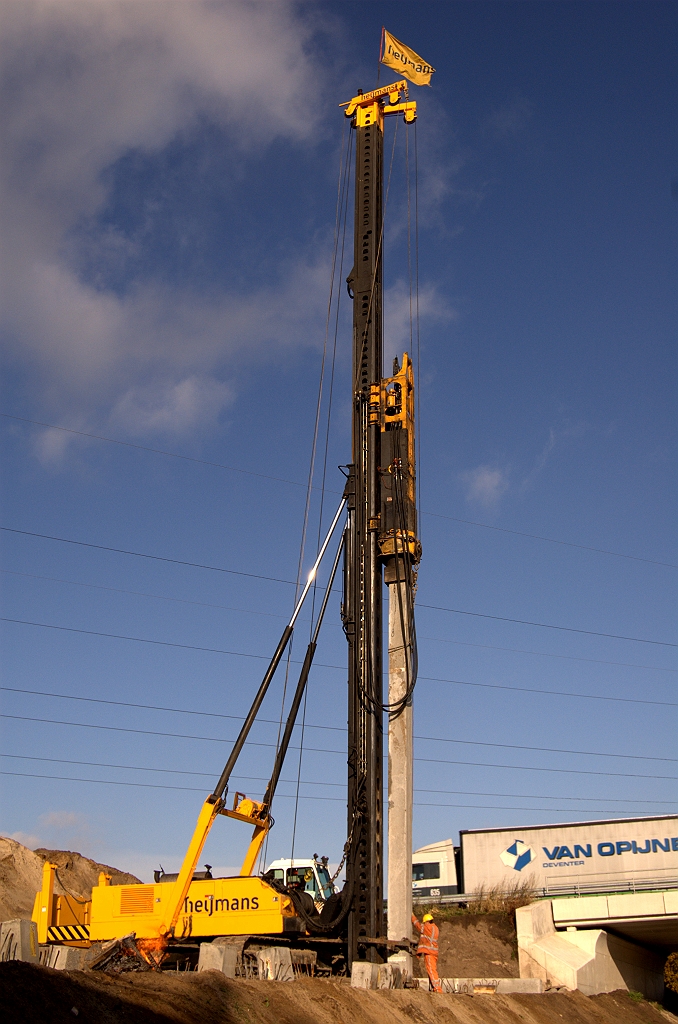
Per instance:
(422,872)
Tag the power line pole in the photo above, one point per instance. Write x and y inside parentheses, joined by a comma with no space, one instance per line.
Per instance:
(401,551)
(400,775)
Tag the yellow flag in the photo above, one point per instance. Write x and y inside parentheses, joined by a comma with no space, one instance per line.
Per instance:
(405,61)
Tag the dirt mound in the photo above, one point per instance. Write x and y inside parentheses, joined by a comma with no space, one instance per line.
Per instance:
(30,993)
(477,946)
(21,876)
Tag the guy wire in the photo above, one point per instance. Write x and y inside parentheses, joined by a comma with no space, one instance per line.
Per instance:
(341,218)
(309,486)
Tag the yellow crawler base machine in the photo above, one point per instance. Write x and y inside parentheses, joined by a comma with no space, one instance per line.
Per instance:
(192,906)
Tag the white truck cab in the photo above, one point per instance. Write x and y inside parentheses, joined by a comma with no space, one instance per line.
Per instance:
(434,872)
(308,873)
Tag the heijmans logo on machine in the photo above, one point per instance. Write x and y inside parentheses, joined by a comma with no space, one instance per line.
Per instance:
(518,855)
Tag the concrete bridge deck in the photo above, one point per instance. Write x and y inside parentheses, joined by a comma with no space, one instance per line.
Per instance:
(650,918)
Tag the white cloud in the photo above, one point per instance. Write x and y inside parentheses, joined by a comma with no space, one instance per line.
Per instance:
(63,830)
(540,462)
(61,819)
(509,119)
(400,313)
(25,838)
(556,439)
(485,485)
(85,83)
(169,407)
(50,446)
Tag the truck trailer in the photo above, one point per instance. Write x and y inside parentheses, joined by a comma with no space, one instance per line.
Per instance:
(584,856)
(619,854)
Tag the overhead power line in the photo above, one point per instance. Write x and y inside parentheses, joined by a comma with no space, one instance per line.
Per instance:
(337,785)
(155,451)
(278,615)
(551,540)
(323,750)
(163,771)
(329,728)
(342,668)
(142,640)
(273,579)
(143,554)
(298,483)
(547,625)
(505,807)
(544,654)
(549,693)
(543,750)
(557,771)
(155,597)
(285,796)
(156,785)
(544,796)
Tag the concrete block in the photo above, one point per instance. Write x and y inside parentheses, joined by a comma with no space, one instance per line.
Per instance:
(217,958)
(304,962)
(47,955)
(230,961)
(519,986)
(467,986)
(274,963)
(405,961)
(67,958)
(232,947)
(364,974)
(19,941)
(389,976)
(488,986)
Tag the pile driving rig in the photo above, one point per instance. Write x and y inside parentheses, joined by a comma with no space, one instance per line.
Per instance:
(380,535)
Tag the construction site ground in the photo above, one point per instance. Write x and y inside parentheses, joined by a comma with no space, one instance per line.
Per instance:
(31,993)
(471,946)
(476,946)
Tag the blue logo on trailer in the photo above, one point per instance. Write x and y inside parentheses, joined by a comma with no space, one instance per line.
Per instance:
(518,855)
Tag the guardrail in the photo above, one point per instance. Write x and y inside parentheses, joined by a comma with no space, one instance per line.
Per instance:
(554,891)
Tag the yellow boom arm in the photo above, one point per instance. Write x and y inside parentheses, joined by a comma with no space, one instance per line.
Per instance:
(250,811)
(208,813)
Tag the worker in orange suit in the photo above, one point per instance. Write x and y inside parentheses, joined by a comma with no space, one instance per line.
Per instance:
(428,948)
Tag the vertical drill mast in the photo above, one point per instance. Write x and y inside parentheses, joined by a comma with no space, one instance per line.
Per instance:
(362,611)
(365,728)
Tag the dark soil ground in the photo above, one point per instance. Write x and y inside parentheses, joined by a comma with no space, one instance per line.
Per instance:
(477,946)
(31,994)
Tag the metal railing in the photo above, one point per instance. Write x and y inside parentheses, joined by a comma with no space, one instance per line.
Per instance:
(555,891)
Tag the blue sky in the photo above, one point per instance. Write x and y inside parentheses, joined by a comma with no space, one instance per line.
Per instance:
(170,190)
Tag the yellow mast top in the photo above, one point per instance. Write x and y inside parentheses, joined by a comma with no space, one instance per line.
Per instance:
(367,108)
